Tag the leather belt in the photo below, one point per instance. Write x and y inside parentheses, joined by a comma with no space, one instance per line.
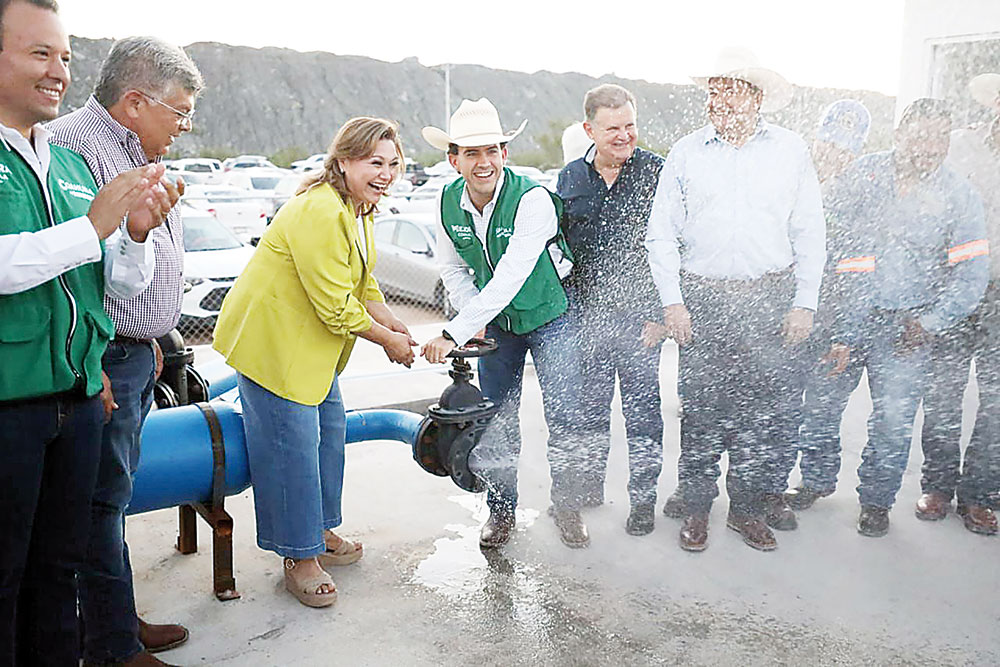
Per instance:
(128,340)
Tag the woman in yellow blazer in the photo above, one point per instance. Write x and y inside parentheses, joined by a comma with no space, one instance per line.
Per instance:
(287,326)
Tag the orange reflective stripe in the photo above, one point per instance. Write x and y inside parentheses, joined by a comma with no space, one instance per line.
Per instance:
(856,265)
(960,253)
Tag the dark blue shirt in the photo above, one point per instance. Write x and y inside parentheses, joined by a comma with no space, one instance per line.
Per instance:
(606,231)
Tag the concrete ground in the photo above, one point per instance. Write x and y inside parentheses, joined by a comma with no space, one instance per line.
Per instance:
(424,594)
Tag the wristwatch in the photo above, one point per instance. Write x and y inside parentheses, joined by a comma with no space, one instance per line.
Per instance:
(447,336)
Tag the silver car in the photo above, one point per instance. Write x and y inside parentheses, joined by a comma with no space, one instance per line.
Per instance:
(405,265)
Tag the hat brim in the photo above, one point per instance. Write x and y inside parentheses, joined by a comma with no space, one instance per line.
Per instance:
(985,88)
(777,91)
(440,139)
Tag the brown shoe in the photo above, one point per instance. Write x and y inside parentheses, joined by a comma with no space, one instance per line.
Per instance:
(157,638)
(777,513)
(932,506)
(978,518)
(496,531)
(572,530)
(694,532)
(753,529)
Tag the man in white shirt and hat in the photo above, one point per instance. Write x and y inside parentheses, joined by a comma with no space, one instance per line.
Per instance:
(503,259)
(972,479)
(736,245)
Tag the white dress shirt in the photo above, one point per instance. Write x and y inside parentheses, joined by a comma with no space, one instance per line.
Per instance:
(535,223)
(32,258)
(737,213)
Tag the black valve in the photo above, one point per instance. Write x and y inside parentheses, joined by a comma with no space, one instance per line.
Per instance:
(457,421)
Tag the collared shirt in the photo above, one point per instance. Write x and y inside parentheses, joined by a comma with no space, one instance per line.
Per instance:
(606,227)
(974,157)
(30,259)
(535,224)
(734,213)
(110,149)
(923,251)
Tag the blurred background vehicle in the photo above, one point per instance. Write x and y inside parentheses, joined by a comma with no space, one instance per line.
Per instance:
(405,265)
(311,162)
(247,162)
(261,182)
(210,170)
(213,259)
(415,173)
(239,210)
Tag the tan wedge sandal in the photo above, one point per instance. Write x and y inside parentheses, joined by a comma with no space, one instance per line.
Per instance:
(345,553)
(308,592)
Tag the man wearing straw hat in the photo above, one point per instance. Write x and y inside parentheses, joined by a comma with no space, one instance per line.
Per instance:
(736,245)
(503,259)
(975,478)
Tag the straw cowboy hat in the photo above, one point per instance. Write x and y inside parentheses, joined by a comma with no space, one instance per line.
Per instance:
(737,63)
(473,124)
(985,88)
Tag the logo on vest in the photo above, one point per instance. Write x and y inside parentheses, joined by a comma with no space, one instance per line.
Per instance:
(76,190)
(504,232)
(462,230)
(5,173)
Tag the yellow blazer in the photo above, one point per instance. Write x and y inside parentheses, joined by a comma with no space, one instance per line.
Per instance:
(289,322)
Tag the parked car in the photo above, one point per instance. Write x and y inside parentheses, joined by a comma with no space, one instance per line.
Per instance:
(210,168)
(247,162)
(286,187)
(261,182)
(213,258)
(243,213)
(311,162)
(405,263)
(415,173)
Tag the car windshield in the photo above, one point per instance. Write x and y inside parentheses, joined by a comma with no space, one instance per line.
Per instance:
(264,182)
(204,232)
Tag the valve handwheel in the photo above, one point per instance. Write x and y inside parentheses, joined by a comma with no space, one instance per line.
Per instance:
(475,347)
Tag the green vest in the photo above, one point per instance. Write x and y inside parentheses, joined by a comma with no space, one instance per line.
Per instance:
(52,336)
(542,298)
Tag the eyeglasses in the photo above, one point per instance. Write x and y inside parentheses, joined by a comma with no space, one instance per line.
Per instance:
(182,116)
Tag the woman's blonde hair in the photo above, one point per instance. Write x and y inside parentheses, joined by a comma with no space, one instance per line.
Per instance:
(355,140)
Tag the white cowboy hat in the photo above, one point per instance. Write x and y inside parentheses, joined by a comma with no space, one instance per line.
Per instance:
(985,88)
(473,124)
(738,63)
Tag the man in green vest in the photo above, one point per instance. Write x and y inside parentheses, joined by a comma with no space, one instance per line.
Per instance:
(503,260)
(62,245)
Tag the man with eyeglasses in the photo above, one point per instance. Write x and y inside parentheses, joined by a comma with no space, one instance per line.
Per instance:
(143,100)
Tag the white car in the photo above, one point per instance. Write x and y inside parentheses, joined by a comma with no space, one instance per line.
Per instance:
(261,182)
(244,213)
(311,162)
(213,258)
(247,162)
(210,169)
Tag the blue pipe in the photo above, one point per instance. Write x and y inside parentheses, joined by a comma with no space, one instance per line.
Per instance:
(220,376)
(176,463)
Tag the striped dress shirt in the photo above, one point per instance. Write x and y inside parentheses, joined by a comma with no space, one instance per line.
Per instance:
(110,149)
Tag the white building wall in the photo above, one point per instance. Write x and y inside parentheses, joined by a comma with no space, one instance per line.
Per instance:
(930,22)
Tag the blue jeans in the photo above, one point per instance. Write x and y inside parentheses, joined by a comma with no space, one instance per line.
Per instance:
(974,476)
(896,379)
(50,449)
(610,350)
(822,410)
(107,601)
(557,364)
(296,455)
